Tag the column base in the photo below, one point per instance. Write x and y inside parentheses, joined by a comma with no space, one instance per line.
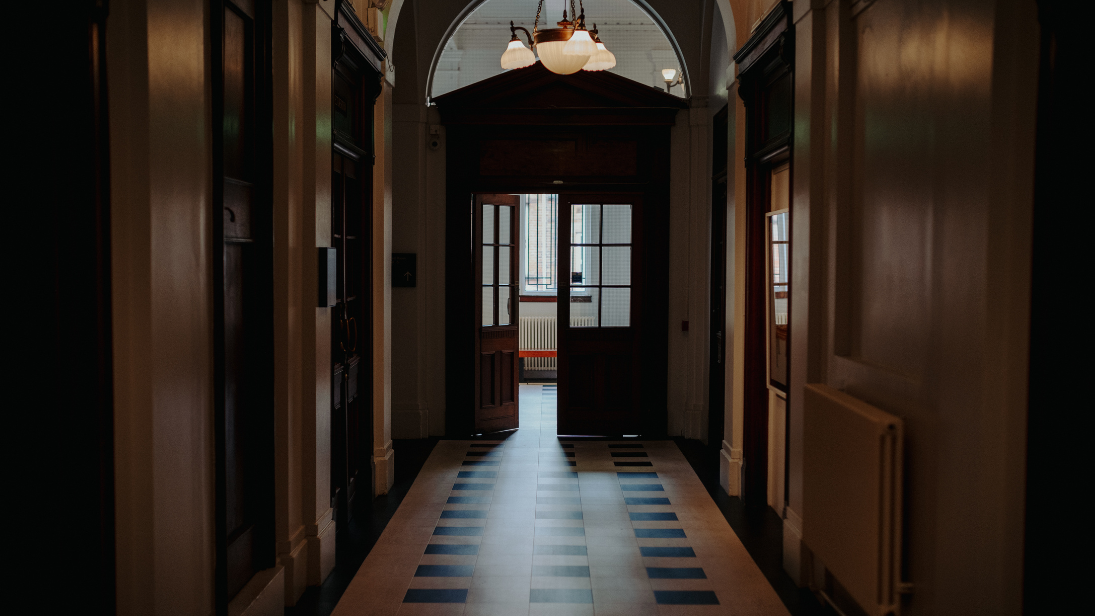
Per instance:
(730,464)
(264,595)
(383,470)
(321,550)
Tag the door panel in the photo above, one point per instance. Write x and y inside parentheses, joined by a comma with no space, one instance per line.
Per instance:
(496,337)
(599,323)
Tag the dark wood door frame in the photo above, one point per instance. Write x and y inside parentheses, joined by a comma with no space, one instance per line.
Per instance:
(243,293)
(718,342)
(766,81)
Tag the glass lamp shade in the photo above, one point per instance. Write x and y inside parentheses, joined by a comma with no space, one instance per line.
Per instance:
(601,60)
(668,74)
(550,45)
(580,44)
(517,56)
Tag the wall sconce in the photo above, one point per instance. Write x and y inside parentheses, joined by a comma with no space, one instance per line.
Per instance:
(671,78)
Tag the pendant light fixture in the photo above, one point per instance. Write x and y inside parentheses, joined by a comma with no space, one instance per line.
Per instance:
(564,50)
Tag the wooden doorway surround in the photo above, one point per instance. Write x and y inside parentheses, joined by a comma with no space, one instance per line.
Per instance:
(532,131)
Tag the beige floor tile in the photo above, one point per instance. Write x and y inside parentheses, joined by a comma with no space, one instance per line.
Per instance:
(517,608)
(560,609)
(559,582)
(431,609)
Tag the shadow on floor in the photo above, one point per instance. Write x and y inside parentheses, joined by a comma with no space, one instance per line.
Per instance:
(759,528)
(354,542)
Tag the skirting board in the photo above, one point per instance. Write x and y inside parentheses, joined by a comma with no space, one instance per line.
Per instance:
(264,595)
(384,471)
(321,554)
(796,556)
(730,469)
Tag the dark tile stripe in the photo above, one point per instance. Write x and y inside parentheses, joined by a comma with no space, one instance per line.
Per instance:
(558,515)
(458,549)
(627,463)
(560,571)
(557,487)
(560,550)
(459,531)
(686,597)
(560,531)
(494,445)
(436,595)
(468,500)
(477,475)
(676,573)
(667,552)
(443,571)
(480,463)
(659,533)
(621,475)
(642,487)
(485,453)
(473,486)
(629,454)
(626,446)
(464,514)
(640,500)
(650,516)
(558,500)
(560,595)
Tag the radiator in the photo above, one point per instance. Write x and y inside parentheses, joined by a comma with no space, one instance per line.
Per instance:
(539,334)
(852,483)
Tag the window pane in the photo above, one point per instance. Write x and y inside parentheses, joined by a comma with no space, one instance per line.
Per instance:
(585,265)
(617,265)
(585,223)
(616,307)
(488,265)
(504,306)
(488,223)
(505,212)
(617,227)
(488,306)
(503,265)
(583,307)
(540,222)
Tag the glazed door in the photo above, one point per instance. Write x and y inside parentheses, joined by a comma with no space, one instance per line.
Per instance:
(350,421)
(600,272)
(496,340)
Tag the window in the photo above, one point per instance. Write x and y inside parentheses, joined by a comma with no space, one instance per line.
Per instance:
(539,258)
(600,263)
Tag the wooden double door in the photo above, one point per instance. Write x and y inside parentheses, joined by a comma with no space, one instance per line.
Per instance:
(598,318)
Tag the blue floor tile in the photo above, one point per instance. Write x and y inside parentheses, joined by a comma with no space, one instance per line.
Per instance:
(676,573)
(560,550)
(557,475)
(459,549)
(477,474)
(492,445)
(642,487)
(629,454)
(659,533)
(444,571)
(625,446)
(650,516)
(628,463)
(635,475)
(484,453)
(480,463)
(560,531)
(566,444)
(560,595)
(650,552)
(463,514)
(459,531)
(643,500)
(436,595)
(686,597)
(473,486)
(468,500)
(558,515)
(560,571)
(558,500)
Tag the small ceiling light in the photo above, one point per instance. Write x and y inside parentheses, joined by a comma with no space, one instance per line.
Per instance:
(517,55)
(668,74)
(564,50)
(602,59)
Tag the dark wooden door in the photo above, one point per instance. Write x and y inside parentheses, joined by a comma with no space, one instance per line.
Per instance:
(600,274)
(244,295)
(496,340)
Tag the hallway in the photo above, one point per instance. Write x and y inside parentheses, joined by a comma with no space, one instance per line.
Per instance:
(534,524)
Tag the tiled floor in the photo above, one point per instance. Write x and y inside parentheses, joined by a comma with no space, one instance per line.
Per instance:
(536,525)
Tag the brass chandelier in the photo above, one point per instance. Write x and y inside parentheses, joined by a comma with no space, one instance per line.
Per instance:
(564,50)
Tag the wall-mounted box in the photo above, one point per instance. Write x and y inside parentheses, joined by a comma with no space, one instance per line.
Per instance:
(404,269)
(328,272)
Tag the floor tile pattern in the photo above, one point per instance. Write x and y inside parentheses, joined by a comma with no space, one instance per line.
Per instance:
(557,528)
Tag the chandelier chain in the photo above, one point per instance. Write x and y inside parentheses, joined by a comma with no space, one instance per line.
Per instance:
(535,23)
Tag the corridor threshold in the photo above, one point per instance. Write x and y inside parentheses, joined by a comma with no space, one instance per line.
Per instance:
(537,524)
